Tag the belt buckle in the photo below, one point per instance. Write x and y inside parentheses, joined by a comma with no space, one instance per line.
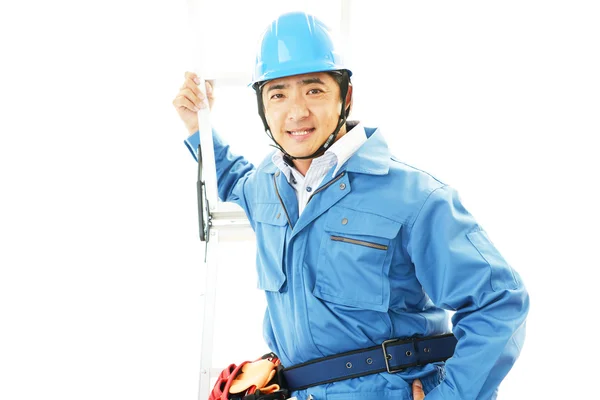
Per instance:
(387,357)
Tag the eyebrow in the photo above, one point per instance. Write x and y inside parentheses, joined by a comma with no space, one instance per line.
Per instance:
(304,82)
(277,87)
(312,80)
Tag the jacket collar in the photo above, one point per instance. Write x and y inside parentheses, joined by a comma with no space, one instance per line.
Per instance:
(372,157)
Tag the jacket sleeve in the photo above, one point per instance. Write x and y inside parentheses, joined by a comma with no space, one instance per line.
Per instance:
(462,271)
(233,171)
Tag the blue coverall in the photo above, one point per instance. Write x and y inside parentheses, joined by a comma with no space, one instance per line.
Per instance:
(414,252)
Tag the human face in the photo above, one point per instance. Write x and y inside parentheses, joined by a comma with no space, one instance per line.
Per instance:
(302,111)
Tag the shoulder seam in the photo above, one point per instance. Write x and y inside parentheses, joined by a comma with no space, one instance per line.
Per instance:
(393,158)
(411,225)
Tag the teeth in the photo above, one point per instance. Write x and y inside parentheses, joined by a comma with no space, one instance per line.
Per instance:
(300,133)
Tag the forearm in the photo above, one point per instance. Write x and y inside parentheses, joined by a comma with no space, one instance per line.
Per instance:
(490,339)
(461,270)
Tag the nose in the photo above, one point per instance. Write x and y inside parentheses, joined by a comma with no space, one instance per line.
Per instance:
(298,110)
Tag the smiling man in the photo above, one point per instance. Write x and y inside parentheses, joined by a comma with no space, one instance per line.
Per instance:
(360,255)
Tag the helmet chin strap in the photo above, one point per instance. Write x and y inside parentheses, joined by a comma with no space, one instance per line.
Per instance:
(288,158)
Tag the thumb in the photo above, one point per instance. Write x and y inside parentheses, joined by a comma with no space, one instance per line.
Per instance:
(418,393)
(209,88)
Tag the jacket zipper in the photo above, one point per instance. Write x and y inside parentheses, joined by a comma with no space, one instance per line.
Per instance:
(281,201)
(359,242)
(331,182)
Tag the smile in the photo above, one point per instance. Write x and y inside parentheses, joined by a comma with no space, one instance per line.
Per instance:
(301,133)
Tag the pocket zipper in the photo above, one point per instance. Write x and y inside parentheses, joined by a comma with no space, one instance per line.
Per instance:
(359,242)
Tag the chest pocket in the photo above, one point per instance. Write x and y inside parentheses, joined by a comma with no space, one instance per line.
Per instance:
(354,259)
(270,229)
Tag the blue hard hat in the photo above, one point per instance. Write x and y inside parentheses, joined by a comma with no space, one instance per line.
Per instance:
(296,43)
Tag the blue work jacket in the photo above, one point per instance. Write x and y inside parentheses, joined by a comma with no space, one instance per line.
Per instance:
(382,250)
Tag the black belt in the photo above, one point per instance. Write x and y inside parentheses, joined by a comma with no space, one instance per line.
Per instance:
(393,356)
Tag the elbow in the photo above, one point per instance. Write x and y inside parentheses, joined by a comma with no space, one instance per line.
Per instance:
(521,299)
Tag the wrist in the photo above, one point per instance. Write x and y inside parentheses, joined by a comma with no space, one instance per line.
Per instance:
(192,129)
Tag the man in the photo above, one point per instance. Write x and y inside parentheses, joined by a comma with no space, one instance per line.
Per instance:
(355,248)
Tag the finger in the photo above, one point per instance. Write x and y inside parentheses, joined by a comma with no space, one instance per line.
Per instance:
(210,85)
(197,98)
(418,393)
(192,81)
(190,75)
(191,84)
(182,102)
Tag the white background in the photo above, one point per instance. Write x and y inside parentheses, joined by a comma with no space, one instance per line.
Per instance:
(100,264)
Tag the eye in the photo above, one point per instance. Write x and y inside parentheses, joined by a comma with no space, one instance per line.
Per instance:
(277,96)
(315,91)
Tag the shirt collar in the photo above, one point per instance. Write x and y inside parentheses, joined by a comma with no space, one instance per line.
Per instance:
(364,150)
(347,145)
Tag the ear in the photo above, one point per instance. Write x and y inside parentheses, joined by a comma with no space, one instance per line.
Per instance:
(349,96)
